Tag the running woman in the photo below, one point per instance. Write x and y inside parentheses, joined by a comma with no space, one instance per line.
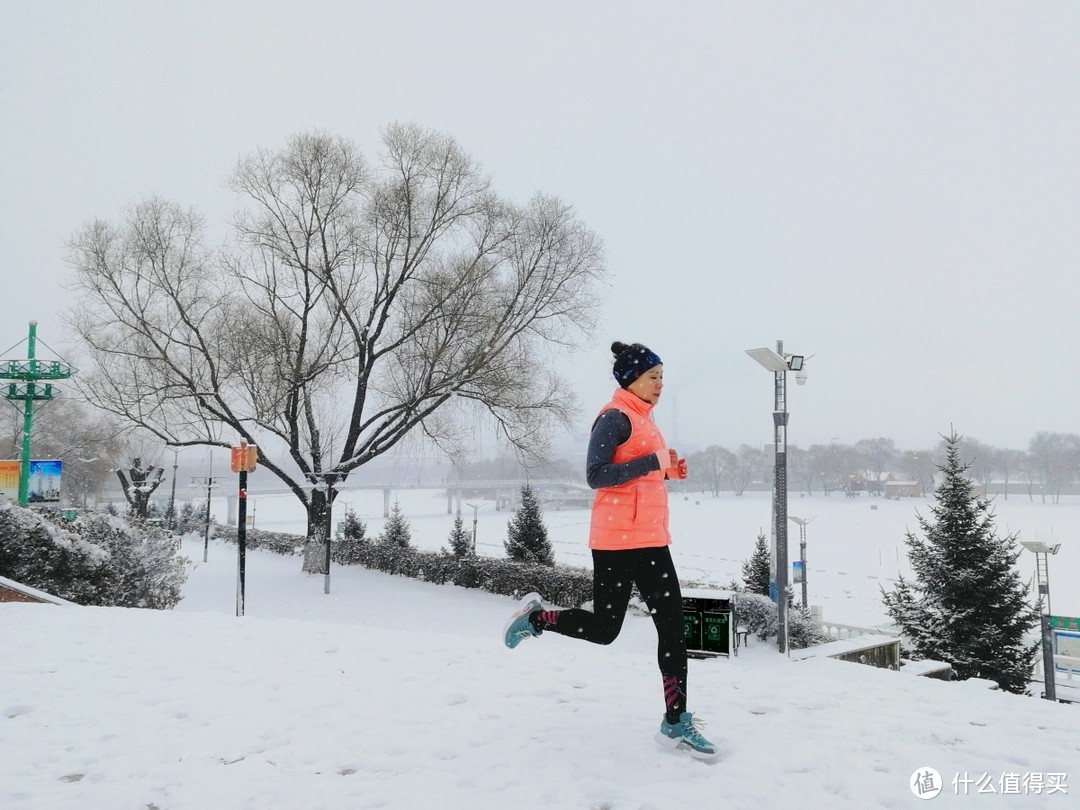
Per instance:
(627,464)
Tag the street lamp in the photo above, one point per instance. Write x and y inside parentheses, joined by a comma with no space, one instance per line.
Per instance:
(802,549)
(1042,551)
(474,508)
(780,363)
(172,495)
(208,482)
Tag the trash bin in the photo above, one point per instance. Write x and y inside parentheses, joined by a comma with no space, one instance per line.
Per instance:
(708,623)
(691,624)
(716,632)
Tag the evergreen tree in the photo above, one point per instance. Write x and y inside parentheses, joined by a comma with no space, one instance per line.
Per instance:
(396,531)
(755,570)
(460,539)
(348,549)
(967,604)
(352,528)
(526,534)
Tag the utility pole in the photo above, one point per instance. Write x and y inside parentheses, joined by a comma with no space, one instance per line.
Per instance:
(30,372)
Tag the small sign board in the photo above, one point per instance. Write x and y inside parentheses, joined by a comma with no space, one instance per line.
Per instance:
(1064,623)
(244,457)
(43,484)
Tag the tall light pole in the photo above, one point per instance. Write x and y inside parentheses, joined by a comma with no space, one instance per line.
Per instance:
(1042,569)
(474,508)
(208,482)
(780,363)
(802,549)
(172,495)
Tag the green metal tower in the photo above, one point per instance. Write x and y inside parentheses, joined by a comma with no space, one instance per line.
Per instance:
(28,373)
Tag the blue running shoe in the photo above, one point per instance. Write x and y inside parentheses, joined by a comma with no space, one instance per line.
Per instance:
(686,735)
(519,627)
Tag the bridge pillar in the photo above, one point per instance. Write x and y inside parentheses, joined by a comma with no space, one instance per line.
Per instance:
(386,502)
(231,511)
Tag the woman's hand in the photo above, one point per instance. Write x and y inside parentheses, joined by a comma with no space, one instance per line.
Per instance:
(677,470)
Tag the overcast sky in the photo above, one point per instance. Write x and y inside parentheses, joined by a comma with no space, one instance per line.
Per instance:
(892,187)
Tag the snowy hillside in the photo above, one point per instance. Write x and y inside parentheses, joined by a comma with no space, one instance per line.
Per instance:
(391,693)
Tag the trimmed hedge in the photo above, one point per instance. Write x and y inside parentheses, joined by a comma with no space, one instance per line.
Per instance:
(562,585)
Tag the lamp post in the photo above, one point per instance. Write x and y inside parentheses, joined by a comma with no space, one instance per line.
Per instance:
(208,482)
(474,508)
(780,363)
(802,549)
(172,495)
(1042,569)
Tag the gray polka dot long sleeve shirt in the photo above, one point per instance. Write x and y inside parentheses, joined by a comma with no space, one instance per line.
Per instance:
(611,429)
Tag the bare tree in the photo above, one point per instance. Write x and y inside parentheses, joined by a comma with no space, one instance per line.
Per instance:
(877,457)
(1011,463)
(712,466)
(800,464)
(982,460)
(833,464)
(919,466)
(139,483)
(744,466)
(354,303)
(1051,456)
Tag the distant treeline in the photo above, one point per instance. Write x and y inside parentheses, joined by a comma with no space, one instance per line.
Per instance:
(1049,468)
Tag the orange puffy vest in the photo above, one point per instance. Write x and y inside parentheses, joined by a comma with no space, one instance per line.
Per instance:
(635,514)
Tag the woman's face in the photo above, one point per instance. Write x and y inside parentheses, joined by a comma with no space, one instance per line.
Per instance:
(649,385)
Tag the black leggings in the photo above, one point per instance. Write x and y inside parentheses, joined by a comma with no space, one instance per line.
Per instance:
(614,574)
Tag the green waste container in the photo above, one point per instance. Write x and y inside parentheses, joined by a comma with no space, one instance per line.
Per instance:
(716,632)
(707,625)
(692,629)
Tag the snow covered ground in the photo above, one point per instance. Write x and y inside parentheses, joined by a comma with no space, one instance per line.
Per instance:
(391,693)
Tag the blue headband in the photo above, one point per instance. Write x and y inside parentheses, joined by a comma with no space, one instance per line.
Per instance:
(632,363)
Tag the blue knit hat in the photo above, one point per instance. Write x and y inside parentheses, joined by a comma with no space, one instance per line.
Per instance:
(631,361)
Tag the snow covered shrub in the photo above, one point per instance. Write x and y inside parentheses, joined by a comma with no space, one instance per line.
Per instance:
(96,559)
(277,542)
(758,614)
(191,518)
(38,553)
(803,631)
